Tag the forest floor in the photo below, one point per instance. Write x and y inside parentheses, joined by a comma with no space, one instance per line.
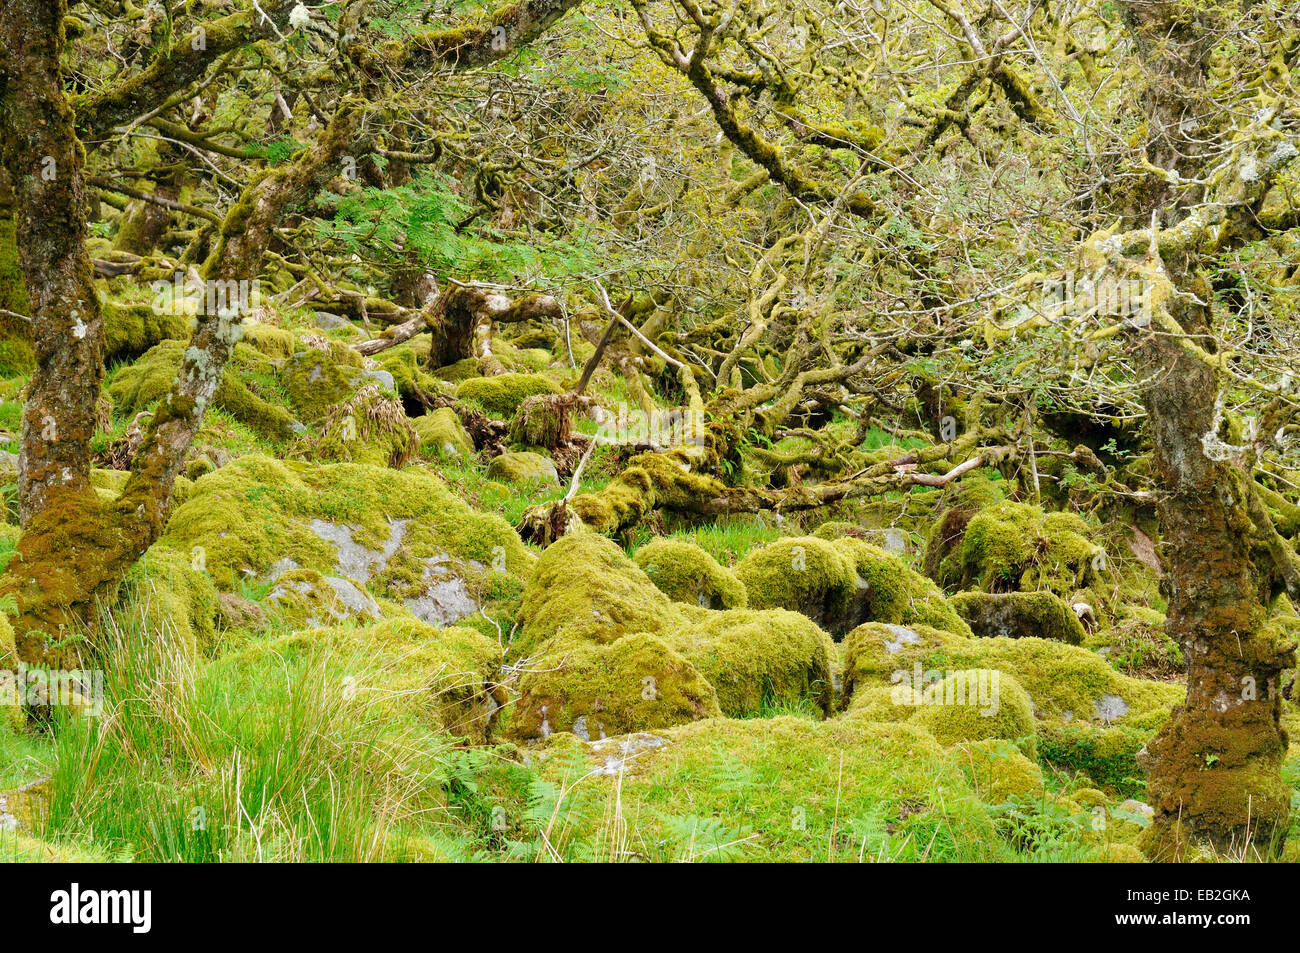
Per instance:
(341,649)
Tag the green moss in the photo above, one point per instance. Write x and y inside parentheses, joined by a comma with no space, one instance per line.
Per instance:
(462,370)
(634,684)
(16,354)
(1018,615)
(131,330)
(501,395)
(176,596)
(247,390)
(1089,717)
(998,771)
(1013,546)
(802,574)
(975,705)
(319,377)
(842,584)
(759,661)
(522,467)
(256,511)
(585,588)
(276,343)
(686,573)
(441,433)
(782,788)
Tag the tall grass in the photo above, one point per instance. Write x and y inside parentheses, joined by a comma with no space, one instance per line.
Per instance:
(256,756)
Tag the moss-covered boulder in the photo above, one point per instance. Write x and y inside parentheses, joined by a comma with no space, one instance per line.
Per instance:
(636,683)
(773,789)
(441,433)
(248,390)
(1017,615)
(1010,547)
(585,588)
(522,467)
(304,598)
(686,573)
(843,583)
(760,661)
(399,534)
(502,394)
(975,705)
(132,329)
(320,375)
(1089,717)
(176,597)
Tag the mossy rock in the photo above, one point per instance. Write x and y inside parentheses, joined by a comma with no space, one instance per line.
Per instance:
(276,343)
(686,573)
(132,329)
(1010,547)
(1017,615)
(502,394)
(387,528)
(843,583)
(998,771)
(758,661)
(522,467)
(637,683)
(442,434)
(584,587)
(1089,717)
(320,377)
(304,598)
(247,392)
(975,705)
(462,370)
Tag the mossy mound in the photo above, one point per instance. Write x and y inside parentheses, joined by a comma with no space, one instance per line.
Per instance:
(462,370)
(323,374)
(760,661)
(843,583)
(502,394)
(686,573)
(585,588)
(370,427)
(248,391)
(1010,547)
(634,684)
(405,364)
(441,433)
(522,467)
(1018,615)
(448,677)
(398,531)
(132,329)
(975,705)
(998,771)
(1089,717)
(773,789)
